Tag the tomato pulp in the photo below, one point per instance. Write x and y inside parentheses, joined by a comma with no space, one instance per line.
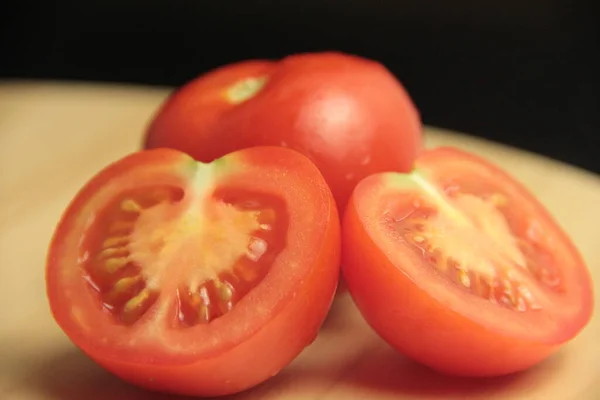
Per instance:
(348,114)
(195,278)
(459,267)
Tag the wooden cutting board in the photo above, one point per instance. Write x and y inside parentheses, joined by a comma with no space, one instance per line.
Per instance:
(54,136)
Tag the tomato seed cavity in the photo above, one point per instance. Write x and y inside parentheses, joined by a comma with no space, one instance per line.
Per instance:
(122,281)
(482,268)
(112,273)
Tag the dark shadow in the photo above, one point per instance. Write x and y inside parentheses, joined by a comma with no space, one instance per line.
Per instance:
(390,372)
(71,375)
(337,318)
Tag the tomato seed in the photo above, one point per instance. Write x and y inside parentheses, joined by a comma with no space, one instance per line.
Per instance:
(225,291)
(127,283)
(418,239)
(113,252)
(137,306)
(213,299)
(256,249)
(123,290)
(112,265)
(136,301)
(115,241)
(130,205)
(203,314)
(464,278)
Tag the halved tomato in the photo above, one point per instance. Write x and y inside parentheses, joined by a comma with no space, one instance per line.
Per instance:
(197,279)
(459,267)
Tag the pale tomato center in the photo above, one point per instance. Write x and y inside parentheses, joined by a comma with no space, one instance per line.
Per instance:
(468,239)
(201,247)
(149,249)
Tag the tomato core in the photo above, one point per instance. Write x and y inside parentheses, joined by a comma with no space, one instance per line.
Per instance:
(245,89)
(472,241)
(162,248)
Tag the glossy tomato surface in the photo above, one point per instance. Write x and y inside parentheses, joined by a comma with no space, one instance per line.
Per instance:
(459,267)
(197,279)
(348,114)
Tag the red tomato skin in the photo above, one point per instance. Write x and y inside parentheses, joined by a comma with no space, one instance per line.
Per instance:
(292,326)
(348,114)
(421,328)
(401,311)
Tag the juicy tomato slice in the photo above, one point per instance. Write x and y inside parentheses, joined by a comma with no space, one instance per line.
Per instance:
(193,278)
(458,266)
(348,114)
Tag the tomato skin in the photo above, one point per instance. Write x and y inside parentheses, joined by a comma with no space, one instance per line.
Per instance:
(348,114)
(405,316)
(254,344)
(405,312)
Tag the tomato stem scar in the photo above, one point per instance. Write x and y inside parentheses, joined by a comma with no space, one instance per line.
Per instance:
(245,89)
(438,197)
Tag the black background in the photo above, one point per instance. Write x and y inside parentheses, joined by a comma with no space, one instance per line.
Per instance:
(519,72)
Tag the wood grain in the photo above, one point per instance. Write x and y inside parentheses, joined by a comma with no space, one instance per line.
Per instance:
(54,136)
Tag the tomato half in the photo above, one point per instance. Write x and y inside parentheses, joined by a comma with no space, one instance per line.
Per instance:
(196,279)
(459,267)
(348,114)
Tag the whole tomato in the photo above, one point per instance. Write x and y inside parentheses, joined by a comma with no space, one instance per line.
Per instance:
(348,114)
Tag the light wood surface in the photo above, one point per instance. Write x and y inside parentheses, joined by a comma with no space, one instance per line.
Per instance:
(54,136)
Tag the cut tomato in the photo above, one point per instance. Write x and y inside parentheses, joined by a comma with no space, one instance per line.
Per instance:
(459,267)
(193,278)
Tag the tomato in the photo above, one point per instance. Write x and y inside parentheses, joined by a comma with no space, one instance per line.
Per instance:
(459,267)
(196,279)
(348,114)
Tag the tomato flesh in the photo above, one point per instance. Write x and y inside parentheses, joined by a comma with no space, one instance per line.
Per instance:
(459,267)
(170,272)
